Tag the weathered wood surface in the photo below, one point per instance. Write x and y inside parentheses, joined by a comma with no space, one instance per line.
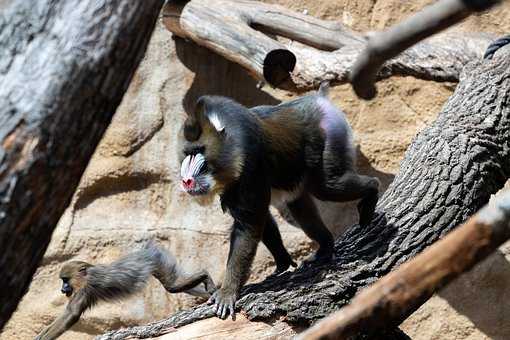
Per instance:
(390,43)
(241,32)
(448,173)
(393,298)
(64,67)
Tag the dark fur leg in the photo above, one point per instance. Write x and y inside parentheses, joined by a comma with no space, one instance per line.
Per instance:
(305,213)
(272,239)
(350,187)
(243,246)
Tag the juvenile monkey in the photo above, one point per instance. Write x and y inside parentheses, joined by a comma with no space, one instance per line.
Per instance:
(255,157)
(86,284)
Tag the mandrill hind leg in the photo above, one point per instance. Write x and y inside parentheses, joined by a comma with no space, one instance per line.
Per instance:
(337,179)
(272,239)
(349,187)
(306,214)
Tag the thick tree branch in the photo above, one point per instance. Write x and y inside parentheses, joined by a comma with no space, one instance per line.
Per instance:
(388,44)
(397,295)
(64,67)
(241,32)
(448,173)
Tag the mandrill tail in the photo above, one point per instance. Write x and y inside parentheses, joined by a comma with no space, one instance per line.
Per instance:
(324,89)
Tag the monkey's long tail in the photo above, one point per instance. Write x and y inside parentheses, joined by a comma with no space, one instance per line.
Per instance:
(324,89)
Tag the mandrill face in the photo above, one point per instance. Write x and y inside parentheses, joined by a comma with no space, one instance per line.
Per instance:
(210,159)
(196,178)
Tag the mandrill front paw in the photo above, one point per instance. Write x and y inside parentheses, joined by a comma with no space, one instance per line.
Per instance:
(224,301)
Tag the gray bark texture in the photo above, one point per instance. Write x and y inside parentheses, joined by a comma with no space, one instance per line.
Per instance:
(64,67)
(448,173)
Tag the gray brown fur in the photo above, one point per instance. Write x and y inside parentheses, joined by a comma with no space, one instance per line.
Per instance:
(88,284)
(294,150)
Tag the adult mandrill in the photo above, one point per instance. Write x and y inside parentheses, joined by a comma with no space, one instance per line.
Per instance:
(86,284)
(255,157)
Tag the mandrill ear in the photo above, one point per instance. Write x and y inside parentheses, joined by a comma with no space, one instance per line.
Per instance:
(205,112)
(201,107)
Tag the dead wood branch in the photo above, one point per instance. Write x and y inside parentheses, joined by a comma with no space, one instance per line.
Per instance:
(64,67)
(393,298)
(241,32)
(388,44)
(448,173)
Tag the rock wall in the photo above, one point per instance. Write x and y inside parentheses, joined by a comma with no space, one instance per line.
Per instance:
(129,191)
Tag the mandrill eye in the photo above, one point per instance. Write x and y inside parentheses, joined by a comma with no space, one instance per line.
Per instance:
(191,167)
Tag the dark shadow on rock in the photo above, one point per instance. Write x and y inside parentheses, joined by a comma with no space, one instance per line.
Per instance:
(215,75)
(481,295)
(112,185)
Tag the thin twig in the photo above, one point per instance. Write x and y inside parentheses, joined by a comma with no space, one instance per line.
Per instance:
(388,44)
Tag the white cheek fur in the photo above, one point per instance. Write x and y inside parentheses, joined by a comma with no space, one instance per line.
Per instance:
(191,165)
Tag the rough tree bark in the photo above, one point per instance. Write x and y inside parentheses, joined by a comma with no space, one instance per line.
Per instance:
(395,296)
(241,32)
(448,173)
(64,67)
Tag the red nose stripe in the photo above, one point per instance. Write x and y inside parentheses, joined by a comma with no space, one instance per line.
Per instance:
(188,183)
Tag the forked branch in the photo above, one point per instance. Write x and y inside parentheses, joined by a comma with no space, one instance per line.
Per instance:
(250,33)
(388,44)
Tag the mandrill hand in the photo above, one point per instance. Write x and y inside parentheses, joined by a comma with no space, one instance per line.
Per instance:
(224,301)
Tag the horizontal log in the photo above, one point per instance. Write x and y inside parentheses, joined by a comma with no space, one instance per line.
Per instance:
(243,32)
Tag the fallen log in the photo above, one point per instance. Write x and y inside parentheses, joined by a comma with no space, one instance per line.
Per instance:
(243,32)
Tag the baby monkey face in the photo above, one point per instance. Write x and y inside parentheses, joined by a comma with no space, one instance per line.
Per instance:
(195,176)
(66,289)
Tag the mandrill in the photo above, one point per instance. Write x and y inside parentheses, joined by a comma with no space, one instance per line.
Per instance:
(86,284)
(254,157)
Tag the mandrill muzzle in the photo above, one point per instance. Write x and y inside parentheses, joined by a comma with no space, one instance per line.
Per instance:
(192,167)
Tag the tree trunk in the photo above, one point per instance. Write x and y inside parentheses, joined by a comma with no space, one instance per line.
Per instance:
(448,173)
(64,68)
(393,298)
